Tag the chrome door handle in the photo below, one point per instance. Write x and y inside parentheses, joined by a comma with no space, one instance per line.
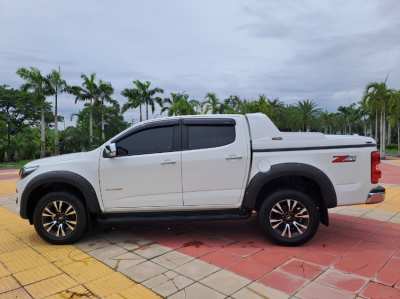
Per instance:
(168,162)
(233,157)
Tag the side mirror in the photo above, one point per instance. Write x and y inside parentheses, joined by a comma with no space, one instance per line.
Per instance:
(110,151)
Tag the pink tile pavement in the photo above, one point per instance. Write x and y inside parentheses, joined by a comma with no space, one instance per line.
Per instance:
(390,173)
(342,258)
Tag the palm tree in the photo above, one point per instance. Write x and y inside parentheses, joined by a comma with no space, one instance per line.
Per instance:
(105,92)
(308,110)
(232,104)
(178,104)
(147,96)
(134,101)
(211,104)
(326,120)
(263,105)
(56,85)
(276,108)
(88,92)
(38,85)
(351,115)
(394,114)
(377,96)
(196,105)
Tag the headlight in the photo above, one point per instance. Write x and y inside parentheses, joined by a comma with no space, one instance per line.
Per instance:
(27,170)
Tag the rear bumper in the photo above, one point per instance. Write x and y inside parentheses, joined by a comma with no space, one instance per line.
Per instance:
(376,195)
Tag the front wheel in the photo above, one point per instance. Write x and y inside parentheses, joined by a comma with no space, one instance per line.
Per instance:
(60,218)
(289,217)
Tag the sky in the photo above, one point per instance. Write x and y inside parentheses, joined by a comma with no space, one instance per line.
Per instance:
(326,51)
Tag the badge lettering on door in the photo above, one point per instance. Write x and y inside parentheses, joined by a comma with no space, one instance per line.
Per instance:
(114,189)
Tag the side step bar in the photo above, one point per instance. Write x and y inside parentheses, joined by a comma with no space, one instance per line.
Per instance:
(173,216)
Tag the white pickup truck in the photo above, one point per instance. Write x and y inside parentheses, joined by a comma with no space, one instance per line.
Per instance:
(202,167)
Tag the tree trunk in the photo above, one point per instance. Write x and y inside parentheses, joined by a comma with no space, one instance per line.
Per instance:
(380,132)
(56,123)
(140,109)
(371,129)
(147,111)
(398,137)
(389,131)
(7,153)
(384,129)
(102,121)
(91,122)
(42,134)
(376,125)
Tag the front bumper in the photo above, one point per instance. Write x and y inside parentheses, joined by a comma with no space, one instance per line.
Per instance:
(376,195)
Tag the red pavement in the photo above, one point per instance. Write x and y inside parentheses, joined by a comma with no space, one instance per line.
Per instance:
(390,173)
(349,256)
(8,174)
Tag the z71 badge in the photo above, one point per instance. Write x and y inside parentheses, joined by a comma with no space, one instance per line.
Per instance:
(344,158)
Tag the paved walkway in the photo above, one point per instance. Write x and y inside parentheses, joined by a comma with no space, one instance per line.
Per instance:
(358,255)
(31,268)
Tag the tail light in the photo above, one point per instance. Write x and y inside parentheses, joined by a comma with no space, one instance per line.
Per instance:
(376,173)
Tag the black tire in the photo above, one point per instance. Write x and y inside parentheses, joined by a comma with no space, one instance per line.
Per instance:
(42,222)
(269,218)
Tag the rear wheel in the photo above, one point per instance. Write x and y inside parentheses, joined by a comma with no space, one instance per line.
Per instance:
(60,218)
(289,217)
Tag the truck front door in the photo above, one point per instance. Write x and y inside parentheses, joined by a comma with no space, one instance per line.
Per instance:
(146,173)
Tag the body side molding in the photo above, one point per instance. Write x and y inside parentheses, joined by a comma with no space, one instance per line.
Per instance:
(312,148)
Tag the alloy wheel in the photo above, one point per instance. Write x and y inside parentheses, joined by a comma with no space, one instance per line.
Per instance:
(289,218)
(59,218)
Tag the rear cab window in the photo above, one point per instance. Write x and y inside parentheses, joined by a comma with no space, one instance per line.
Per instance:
(208,133)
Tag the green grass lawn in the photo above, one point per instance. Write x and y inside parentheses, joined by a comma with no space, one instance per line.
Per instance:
(392,151)
(15,165)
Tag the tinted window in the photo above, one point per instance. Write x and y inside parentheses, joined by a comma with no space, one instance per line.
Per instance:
(148,141)
(204,136)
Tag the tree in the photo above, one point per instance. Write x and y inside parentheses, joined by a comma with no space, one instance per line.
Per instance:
(377,96)
(148,96)
(89,92)
(18,112)
(351,115)
(394,113)
(11,114)
(178,104)
(114,120)
(72,139)
(212,104)
(196,106)
(57,85)
(232,104)
(133,102)
(105,92)
(38,85)
(308,110)
(277,109)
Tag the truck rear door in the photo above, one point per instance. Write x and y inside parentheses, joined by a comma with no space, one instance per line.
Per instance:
(215,161)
